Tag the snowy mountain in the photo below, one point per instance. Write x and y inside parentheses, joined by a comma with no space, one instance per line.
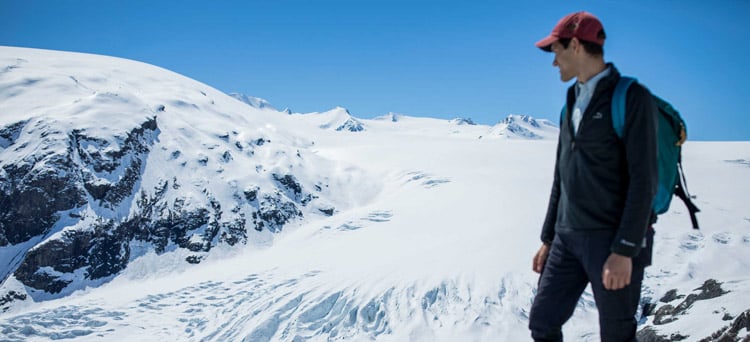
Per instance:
(256,102)
(524,127)
(392,117)
(137,204)
(337,119)
(462,121)
(100,166)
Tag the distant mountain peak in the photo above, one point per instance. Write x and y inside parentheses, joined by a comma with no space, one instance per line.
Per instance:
(339,109)
(255,102)
(463,121)
(391,116)
(518,126)
(339,119)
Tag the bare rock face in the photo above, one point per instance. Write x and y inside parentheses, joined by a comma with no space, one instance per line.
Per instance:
(130,156)
(34,189)
(669,313)
(44,189)
(62,181)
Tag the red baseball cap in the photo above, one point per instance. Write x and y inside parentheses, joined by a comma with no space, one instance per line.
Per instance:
(581,25)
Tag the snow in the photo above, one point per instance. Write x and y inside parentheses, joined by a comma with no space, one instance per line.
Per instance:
(253,101)
(431,238)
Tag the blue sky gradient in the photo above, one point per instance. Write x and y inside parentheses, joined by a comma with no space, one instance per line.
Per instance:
(434,58)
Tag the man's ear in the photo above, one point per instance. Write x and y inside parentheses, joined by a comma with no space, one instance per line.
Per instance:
(575,44)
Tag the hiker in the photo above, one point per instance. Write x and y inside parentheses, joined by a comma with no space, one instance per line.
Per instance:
(597,228)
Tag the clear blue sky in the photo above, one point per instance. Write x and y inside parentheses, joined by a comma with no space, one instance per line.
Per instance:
(433,58)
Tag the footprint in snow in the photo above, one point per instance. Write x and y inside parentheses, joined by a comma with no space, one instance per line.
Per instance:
(693,242)
(722,238)
(744,162)
(379,216)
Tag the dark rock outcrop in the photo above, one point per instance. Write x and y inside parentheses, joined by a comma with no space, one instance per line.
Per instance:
(9,298)
(648,334)
(667,313)
(351,125)
(36,191)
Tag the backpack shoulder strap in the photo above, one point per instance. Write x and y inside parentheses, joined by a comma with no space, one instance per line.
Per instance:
(619,98)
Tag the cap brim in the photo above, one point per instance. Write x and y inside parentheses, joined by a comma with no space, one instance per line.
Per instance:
(546,43)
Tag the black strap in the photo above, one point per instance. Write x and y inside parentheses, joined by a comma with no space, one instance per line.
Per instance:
(681,192)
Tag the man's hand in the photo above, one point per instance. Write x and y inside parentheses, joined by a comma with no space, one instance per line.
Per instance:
(540,258)
(616,272)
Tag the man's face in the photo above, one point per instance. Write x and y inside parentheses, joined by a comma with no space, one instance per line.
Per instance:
(564,60)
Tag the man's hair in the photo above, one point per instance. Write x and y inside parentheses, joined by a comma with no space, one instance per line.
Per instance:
(590,47)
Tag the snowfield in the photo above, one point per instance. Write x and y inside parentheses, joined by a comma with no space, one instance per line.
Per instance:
(434,224)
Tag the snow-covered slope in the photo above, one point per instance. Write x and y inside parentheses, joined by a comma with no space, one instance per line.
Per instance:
(429,238)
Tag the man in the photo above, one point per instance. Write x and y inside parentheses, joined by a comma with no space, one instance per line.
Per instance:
(595,230)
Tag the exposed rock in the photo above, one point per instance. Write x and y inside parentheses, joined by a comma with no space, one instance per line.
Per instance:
(730,333)
(670,296)
(463,121)
(293,187)
(101,251)
(132,152)
(251,194)
(327,211)
(351,125)
(668,313)
(37,189)
(10,133)
(10,297)
(274,212)
(511,119)
(648,334)
(34,190)
(519,126)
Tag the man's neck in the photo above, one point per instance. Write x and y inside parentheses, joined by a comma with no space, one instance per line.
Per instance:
(590,69)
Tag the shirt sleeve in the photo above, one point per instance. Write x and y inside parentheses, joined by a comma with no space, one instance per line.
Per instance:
(639,140)
(548,228)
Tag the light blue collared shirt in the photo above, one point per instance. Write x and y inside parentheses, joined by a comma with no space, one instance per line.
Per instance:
(584,92)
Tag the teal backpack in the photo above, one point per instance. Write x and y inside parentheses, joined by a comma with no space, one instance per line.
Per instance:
(670,135)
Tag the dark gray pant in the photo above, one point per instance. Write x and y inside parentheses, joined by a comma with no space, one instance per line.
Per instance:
(574,261)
